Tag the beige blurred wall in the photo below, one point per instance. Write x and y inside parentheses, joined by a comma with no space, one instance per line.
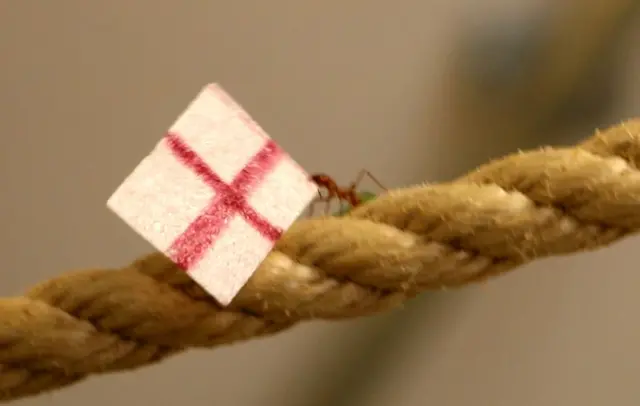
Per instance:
(88,87)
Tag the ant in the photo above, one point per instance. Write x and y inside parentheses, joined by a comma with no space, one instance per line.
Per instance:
(348,195)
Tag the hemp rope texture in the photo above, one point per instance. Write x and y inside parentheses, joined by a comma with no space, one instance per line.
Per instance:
(504,214)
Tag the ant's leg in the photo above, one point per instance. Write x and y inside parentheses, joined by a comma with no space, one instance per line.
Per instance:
(311,208)
(316,200)
(321,199)
(358,179)
(345,207)
(368,174)
(375,180)
(327,207)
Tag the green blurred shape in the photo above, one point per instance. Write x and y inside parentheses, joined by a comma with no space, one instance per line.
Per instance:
(364,197)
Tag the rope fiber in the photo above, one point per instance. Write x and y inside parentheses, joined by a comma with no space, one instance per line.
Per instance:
(507,213)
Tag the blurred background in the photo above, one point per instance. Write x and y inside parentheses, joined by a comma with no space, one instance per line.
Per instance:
(413,91)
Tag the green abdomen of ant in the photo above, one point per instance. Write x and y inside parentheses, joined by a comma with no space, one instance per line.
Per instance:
(363,196)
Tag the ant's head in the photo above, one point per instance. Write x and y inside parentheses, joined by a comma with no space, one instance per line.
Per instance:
(321,179)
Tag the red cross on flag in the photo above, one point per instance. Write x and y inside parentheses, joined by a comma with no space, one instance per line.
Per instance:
(215,194)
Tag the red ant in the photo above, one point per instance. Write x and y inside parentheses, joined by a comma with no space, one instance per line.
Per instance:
(348,195)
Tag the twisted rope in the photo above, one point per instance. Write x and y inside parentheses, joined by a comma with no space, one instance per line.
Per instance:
(502,215)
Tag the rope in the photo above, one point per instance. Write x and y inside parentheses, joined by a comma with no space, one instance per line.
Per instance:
(502,215)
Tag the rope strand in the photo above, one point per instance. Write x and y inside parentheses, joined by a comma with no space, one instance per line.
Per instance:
(502,215)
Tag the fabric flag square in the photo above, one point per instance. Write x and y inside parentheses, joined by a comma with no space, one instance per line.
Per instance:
(215,194)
